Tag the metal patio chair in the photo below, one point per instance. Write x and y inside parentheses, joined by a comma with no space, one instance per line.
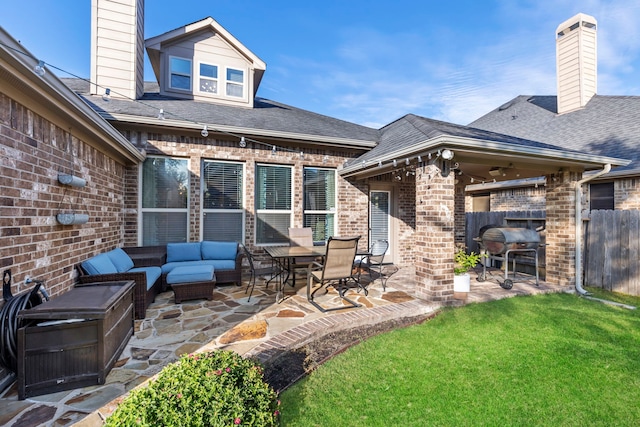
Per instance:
(271,271)
(335,270)
(373,261)
(300,237)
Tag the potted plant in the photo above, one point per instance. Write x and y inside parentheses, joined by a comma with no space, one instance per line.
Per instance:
(463,263)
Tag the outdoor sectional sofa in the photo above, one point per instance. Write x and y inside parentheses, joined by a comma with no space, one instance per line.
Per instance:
(149,266)
(117,265)
(225,257)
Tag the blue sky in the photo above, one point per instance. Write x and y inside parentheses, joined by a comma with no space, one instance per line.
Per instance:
(371,61)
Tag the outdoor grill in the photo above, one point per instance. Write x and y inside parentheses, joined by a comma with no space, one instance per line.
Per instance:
(500,242)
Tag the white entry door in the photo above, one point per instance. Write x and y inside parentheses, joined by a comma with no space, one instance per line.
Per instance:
(380,219)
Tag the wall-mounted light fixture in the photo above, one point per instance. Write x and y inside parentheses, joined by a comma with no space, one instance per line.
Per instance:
(71,180)
(72,218)
(39,69)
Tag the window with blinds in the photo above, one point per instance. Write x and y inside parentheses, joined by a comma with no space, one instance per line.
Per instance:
(222,201)
(319,190)
(273,200)
(165,200)
(601,196)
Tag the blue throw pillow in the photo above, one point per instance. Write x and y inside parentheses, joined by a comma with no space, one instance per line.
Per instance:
(183,252)
(121,260)
(219,250)
(99,264)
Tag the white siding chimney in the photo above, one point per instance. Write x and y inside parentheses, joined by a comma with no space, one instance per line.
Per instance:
(576,62)
(117,47)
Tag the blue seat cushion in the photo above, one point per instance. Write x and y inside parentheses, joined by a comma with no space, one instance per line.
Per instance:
(191,274)
(218,250)
(121,260)
(152,273)
(217,264)
(99,264)
(183,252)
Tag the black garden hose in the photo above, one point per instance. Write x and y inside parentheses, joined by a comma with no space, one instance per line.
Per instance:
(9,323)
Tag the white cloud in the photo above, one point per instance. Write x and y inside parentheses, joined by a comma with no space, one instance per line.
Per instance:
(458,74)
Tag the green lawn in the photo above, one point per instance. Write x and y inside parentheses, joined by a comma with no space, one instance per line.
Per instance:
(552,360)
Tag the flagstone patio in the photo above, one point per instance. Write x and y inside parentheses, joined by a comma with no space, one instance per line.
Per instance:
(258,327)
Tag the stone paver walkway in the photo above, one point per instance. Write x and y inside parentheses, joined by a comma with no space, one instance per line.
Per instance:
(257,327)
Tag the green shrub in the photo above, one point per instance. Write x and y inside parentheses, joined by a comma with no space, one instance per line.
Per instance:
(219,388)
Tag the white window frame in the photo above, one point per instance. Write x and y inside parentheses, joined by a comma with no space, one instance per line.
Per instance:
(142,210)
(271,211)
(334,210)
(216,79)
(228,82)
(241,210)
(171,73)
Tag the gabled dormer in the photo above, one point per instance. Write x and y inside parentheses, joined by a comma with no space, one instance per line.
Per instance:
(204,62)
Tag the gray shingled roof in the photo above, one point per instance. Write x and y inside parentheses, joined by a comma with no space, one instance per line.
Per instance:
(265,115)
(607,126)
(411,130)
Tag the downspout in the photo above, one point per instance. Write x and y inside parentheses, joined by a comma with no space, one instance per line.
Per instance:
(578,189)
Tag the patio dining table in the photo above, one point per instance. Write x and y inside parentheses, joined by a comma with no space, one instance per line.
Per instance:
(284,256)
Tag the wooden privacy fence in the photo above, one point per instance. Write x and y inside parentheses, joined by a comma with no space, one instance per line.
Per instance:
(612,251)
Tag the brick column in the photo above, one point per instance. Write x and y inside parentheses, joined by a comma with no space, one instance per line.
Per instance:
(434,236)
(560,228)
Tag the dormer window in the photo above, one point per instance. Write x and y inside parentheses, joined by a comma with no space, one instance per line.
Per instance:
(235,82)
(208,78)
(180,73)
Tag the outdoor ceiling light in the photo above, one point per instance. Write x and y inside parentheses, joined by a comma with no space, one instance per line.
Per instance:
(495,171)
(447,154)
(243,143)
(204,132)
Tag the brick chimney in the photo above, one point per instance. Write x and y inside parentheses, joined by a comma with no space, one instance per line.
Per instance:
(576,62)
(117,47)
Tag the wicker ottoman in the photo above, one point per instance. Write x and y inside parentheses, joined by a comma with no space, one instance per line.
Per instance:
(192,282)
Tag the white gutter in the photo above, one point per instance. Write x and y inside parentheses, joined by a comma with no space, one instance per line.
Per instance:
(578,237)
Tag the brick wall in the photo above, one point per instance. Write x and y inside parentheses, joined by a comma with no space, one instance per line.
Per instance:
(627,193)
(434,237)
(32,153)
(352,196)
(518,199)
(560,228)
(406,224)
